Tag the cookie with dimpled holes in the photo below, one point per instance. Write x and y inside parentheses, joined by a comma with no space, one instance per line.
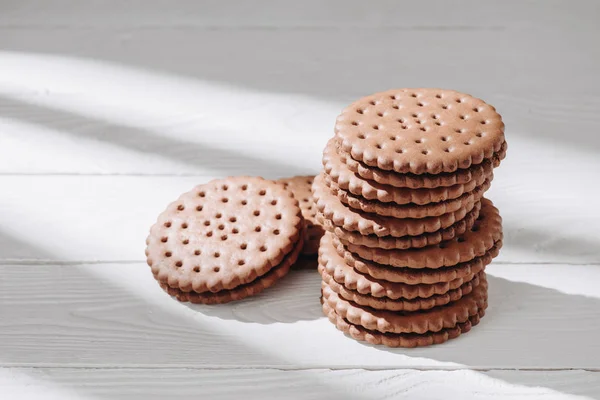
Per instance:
(335,265)
(352,220)
(404,242)
(401,339)
(347,180)
(300,186)
(432,320)
(242,291)
(398,304)
(475,242)
(408,210)
(420,130)
(413,181)
(223,234)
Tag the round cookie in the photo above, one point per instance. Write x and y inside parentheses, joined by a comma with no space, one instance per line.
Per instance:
(242,291)
(399,304)
(339,173)
(409,210)
(414,276)
(401,339)
(404,242)
(223,234)
(300,186)
(352,220)
(413,181)
(335,265)
(432,320)
(420,130)
(475,242)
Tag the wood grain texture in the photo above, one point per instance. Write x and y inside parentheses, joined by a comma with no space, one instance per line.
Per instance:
(116,315)
(148,384)
(109,110)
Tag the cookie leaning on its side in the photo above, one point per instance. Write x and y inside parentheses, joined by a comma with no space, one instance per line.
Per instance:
(300,186)
(225,240)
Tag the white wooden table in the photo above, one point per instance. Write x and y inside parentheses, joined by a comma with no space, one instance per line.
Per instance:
(108,110)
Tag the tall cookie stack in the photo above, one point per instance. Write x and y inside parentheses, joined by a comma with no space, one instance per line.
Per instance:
(409,232)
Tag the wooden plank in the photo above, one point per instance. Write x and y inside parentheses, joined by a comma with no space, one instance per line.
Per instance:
(147,384)
(107,218)
(307,62)
(541,317)
(430,14)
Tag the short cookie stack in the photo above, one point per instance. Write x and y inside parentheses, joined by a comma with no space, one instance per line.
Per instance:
(226,240)
(409,232)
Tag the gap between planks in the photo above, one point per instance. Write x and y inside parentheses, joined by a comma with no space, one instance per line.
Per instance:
(287,368)
(267,28)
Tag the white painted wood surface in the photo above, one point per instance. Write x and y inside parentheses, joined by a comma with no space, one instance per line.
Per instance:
(116,315)
(109,110)
(144,384)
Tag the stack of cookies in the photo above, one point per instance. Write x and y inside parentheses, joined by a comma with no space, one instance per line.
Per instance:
(409,232)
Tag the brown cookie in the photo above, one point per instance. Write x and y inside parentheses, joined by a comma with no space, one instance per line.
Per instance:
(408,210)
(413,181)
(300,186)
(352,220)
(420,130)
(399,304)
(404,242)
(242,291)
(401,339)
(336,266)
(475,242)
(339,173)
(223,234)
(433,320)
(413,276)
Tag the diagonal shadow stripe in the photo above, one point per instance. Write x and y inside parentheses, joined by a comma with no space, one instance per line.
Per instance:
(203,155)
(531,239)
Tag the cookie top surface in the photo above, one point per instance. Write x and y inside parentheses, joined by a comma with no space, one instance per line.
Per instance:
(224,233)
(420,130)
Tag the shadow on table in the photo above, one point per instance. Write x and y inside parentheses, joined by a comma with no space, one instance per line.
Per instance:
(294,298)
(100,315)
(516,330)
(344,63)
(551,243)
(81,316)
(201,153)
(114,321)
